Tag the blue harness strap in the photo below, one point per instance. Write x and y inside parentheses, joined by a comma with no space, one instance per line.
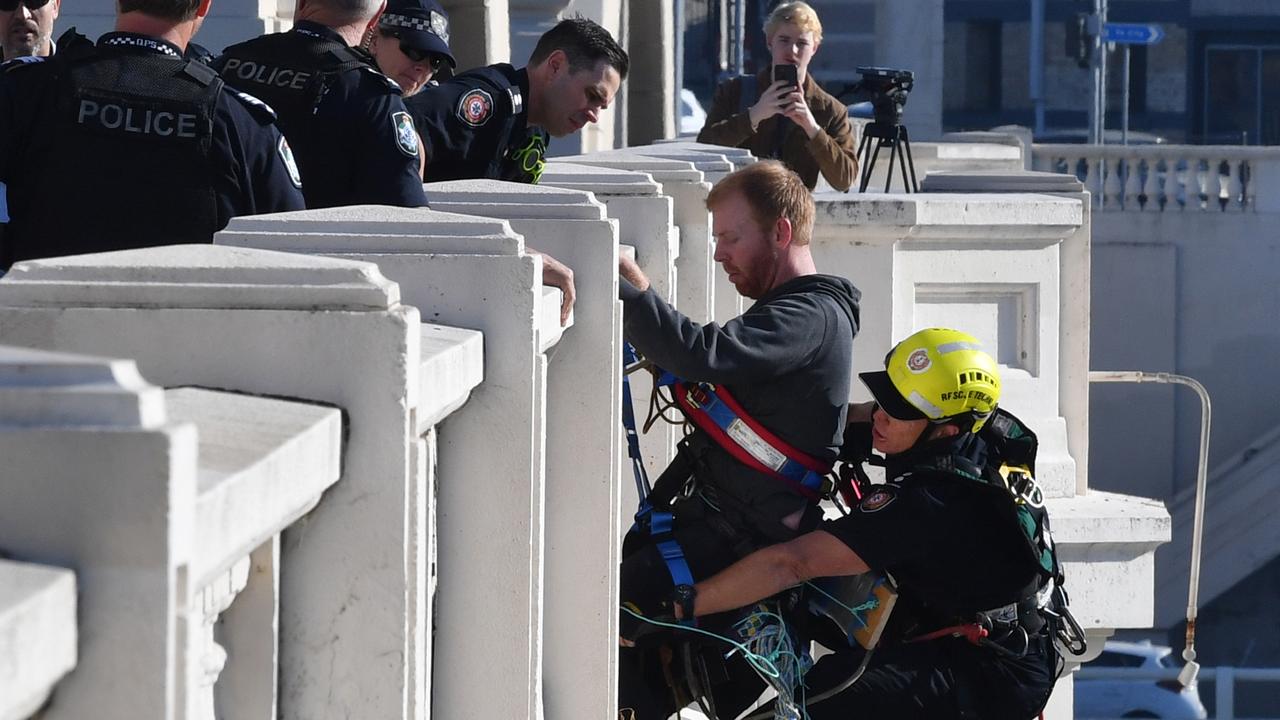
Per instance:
(660,524)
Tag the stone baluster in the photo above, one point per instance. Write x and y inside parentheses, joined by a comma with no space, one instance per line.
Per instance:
(1112,186)
(1093,179)
(1236,200)
(210,657)
(1151,185)
(1132,182)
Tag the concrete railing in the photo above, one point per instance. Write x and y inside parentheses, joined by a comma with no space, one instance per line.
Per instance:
(464,564)
(1170,178)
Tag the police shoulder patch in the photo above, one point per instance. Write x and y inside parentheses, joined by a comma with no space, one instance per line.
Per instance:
(20,62)
(391,84)
(286,156)
(878,499)
(476,107)
(253,103)
(406,134)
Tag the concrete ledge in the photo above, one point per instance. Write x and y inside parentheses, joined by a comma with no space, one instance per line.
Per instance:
(37,634)
(948,216)
(263,463)
(198,276)
(452,366)
(1107,543)
(39,388)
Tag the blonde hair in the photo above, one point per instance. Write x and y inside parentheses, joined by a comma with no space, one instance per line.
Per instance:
(794,13)
(772,191)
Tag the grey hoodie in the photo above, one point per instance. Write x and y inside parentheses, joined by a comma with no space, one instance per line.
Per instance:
(788,360)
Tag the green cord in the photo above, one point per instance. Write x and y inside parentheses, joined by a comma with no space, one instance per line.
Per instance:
(761,663)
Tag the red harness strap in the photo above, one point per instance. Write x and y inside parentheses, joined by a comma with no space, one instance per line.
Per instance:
(694,399)
(973,632)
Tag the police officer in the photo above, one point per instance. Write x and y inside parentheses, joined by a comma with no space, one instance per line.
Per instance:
(411,43)
(26,27)
(125,144)
(494,122)
(969,636)
(354,141)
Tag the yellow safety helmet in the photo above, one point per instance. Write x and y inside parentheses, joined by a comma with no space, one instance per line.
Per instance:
(939,374)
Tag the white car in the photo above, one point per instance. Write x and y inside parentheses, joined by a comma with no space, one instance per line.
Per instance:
(1118,697)
(692,116)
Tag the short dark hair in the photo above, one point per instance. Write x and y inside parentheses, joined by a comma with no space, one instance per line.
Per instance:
(175,10)
(585,43)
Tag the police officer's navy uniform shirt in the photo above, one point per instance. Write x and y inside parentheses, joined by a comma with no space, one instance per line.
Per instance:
(354,141)
(476,125)
(154,167)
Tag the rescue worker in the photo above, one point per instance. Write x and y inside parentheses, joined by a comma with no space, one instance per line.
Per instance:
(354,140)
(172,154)
(26,27)
(785,362)
(802,125)
(493,122)
(968,637)
(411,43)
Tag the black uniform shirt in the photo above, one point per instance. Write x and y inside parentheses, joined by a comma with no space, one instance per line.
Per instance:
(947,540)
(252,171)
(355,145)
(476,126)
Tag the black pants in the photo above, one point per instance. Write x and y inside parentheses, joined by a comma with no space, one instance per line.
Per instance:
(946,679)
(642,672)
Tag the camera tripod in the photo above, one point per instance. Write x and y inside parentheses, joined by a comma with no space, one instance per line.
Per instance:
(894,137)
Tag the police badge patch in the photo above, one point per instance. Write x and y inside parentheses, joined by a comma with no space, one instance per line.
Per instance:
(406,135)
(286,156)
(475,107)
(878,499)
(440,25)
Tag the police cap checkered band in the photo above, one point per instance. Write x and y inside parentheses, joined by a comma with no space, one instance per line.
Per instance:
(412,23)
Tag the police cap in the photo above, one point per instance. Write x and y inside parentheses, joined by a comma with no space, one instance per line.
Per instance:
(420,24)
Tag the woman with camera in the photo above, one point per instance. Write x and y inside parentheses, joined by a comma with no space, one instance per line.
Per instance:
(781,112)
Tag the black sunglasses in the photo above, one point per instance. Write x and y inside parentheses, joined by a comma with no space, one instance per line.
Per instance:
(11,5)
(415,54)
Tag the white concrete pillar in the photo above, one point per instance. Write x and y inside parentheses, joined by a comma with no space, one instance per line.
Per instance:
(646,227)
(480,33)
(277,325)
(688,188)
(651,88)
(118,510)
(909,36)
(583,421)
(473,273)
(38,624)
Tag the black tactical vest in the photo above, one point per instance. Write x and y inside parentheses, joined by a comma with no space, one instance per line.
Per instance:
(118,159)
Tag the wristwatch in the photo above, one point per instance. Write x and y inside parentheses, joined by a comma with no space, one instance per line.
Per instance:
(683,596)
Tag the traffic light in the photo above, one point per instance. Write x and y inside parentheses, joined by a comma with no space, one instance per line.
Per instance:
(1079,41)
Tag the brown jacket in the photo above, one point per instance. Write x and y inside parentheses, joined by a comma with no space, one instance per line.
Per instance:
(831,151)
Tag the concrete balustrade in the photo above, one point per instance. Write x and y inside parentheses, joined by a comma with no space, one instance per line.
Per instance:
(1169,178)
(38,627)
(351,574)
(473,273)
(583,442)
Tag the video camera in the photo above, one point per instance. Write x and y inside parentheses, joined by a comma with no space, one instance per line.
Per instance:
(886,89)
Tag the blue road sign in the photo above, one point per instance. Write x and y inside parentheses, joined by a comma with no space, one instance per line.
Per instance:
(1132,33)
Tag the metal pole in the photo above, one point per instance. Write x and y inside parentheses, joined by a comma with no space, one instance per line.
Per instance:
(1037,63)
(1102,76)
(739,36)
(1189,671)
(679,63)
(1124,112)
